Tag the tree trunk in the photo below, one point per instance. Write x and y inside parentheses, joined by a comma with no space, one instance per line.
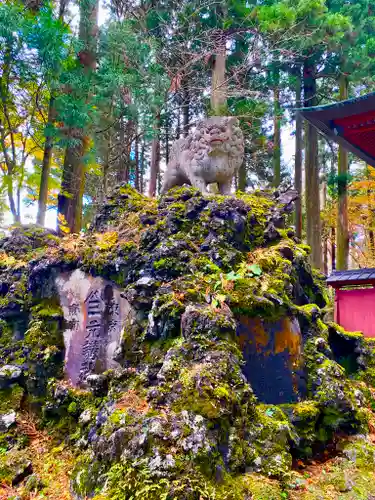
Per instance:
(276,131)
(136,157)
(130,133)
(73,179)
(46,167)
(325,256)
(155,156)
(178,127)
(186,111)
(298,158)
(167,139)
(122,162)
(48,146)
(325,238)
(142,167)
(12,205)
(313,225)
(333,248)
(342,201)
(72,186)
(242,178)
(372,243)
(106,165)
(218,85)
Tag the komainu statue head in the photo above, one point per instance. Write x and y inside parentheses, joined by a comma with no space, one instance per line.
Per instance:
(218,135)
(212,153)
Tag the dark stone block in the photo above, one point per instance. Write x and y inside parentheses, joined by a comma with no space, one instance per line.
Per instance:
(273,358)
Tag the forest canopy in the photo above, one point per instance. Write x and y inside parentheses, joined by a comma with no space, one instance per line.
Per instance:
(93,94)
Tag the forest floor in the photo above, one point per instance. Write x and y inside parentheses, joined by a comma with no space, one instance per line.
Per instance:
(328,478)
(334,477)
(52,465)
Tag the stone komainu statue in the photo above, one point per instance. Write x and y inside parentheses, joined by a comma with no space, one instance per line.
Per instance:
(213,153)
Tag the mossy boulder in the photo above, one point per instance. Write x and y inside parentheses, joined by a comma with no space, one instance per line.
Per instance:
(179,418)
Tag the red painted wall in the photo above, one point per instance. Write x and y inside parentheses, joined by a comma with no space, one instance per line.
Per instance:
(355,310)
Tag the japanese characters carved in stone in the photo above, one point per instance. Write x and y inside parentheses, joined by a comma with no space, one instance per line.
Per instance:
(95,314)
(212,153)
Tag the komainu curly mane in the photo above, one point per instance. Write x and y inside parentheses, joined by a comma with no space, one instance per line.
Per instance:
(212,153)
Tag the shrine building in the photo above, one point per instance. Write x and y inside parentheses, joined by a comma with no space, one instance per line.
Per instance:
(351,124)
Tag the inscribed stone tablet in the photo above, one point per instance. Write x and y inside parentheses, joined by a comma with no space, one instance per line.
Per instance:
(272,353)
(95,314)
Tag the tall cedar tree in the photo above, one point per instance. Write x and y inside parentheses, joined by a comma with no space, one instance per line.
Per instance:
(48,144)
(73,177)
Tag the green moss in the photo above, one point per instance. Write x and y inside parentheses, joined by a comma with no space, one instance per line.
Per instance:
(161,263)
(86,473)
(308,310)
(42,339)
(305,419)
(127,246)
(182,193)
(189,391)
(171,265)
(344,333)
(11,398)
(347,477)
(11,463)
(204,264)
(47,309)
(118,418)
(306,410)
(259,487)
(73,408)
(204,394)
(6,333)
(188,482)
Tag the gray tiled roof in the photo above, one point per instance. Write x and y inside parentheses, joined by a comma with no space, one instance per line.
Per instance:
(354,275)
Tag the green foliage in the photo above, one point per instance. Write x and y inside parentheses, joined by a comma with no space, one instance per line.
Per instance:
(33,46)
(10,399)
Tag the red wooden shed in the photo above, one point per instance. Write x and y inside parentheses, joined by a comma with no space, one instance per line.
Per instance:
(355,300)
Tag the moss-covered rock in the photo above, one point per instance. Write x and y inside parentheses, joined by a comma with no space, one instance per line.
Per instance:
(179,418)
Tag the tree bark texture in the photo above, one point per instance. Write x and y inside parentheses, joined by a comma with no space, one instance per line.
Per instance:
(48,145)
(218,84)
(5,125)
(342,201)
(186,111)
(167,133)
(371,243)
(136,157)
(325,239)
(70,202)
(73,178)
(142,167)
(242,178)
(155,157)
(276,131)
(333,248)
(298,159)
(121,166)
(46,167)
(178,126)
(313,223)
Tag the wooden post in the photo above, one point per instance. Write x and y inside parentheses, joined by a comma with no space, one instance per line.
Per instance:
(342,202)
